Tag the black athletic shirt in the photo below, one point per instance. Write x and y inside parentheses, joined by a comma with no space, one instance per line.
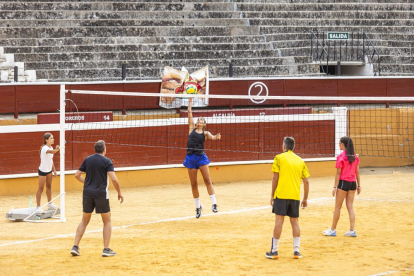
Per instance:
(195,144)
(96,168)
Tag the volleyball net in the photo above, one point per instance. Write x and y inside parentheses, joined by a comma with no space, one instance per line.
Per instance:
(141,133)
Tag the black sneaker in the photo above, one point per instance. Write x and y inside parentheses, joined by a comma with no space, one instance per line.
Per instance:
(108,252)
(272,255)
(297,255)
(198,211)
(75,251)
(214,208)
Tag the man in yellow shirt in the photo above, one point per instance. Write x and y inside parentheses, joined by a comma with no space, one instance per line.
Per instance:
(288,170)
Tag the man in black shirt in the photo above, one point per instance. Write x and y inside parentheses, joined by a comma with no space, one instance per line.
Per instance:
(95,195)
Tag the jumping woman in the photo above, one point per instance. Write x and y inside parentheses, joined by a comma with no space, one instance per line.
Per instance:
(46,168)
(197,159)
(347,181)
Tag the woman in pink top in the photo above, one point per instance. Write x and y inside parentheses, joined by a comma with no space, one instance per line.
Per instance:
(346,179)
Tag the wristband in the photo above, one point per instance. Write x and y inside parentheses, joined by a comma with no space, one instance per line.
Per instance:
(334,187)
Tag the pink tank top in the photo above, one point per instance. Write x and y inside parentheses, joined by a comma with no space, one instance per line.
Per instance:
(348,170)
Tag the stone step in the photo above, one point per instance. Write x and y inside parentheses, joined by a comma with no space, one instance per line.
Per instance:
(203,6)
(195,55)
(290,43)
(172,63)
(126,31)
(148,55)
(117,6)
(396,68)
(220,1)
(304,51)
(359,43)
(332,22)
(372,36)
(126,1)
(7,58)
(183,31)
(109,79)
(332,6)
(386,74)
(141,47)
(394,43)
(6,66)
(167,15)
(395,38)
(307,29)
(145,73)
(75,23)
(221,22)
(397,59)
(321,1)
(27,42)
(396,51)
(372,14)
(124,15)
(7,74)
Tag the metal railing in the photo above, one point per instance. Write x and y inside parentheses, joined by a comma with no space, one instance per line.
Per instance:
(355,49)
(367,46)
(318,51)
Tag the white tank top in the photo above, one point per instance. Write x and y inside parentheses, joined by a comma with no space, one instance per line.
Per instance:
(46,159)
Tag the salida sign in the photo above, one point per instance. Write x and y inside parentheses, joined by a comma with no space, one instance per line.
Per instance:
(337,36)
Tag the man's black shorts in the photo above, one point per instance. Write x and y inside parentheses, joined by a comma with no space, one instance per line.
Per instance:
(286,207)
(101,205)
(347,186)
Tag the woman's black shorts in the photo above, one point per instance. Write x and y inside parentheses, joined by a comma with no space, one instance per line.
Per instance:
(43,173)
(347,186)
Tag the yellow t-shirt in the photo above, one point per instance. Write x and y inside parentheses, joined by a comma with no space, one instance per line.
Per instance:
(291,169)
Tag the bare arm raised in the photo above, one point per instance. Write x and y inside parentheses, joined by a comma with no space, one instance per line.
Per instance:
(190,116)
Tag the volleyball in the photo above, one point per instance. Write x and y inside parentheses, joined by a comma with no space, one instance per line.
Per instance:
(191,88)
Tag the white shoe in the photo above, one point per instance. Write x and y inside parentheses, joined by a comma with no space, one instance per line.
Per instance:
(52,206)
(350,234)
(39,211)
(329,232)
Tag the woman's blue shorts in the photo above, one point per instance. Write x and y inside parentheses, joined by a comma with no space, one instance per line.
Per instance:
(194,161)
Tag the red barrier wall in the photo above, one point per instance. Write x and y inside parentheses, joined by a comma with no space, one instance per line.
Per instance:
(45,98)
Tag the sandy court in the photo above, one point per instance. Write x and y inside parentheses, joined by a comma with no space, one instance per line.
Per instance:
(155,232)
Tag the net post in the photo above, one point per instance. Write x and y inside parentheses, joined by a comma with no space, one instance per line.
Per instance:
(62,152)
(340,126)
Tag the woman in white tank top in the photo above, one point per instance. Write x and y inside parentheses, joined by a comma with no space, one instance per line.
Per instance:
(46,169)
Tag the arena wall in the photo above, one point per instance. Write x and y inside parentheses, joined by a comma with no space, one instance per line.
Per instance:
(23,98)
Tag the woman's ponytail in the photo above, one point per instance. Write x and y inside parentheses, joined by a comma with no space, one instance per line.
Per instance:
(349,148)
